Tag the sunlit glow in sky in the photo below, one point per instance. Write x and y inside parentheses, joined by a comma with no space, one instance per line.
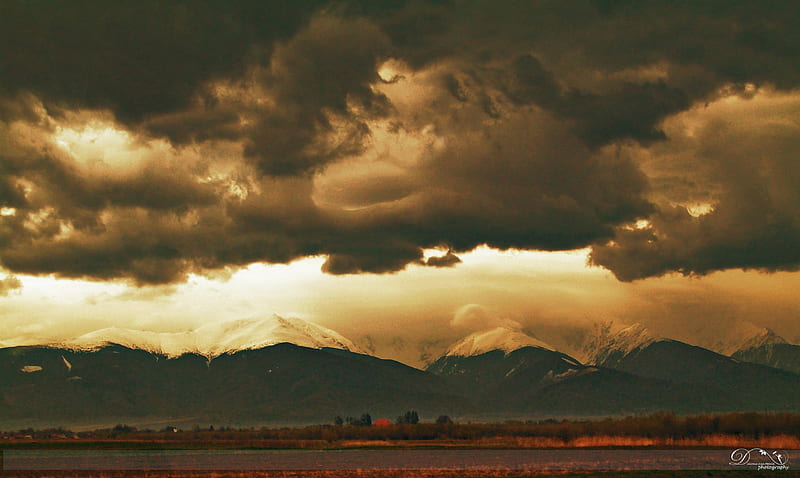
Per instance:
(100,146)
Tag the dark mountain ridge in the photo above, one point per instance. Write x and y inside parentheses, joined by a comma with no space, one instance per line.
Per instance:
(750,386)
(782,356)
(287,383)
(282,382)
(533,380)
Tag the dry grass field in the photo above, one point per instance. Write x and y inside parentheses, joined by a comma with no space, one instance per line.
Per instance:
(397,474)
(782,441)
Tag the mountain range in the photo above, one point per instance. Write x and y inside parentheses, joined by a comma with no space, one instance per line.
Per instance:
(218,338)
(281,370)
(281,383)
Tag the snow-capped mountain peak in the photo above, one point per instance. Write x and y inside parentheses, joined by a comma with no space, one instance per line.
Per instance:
(613,338)
(212,340)
(743,335)
(502,338)
(225,337)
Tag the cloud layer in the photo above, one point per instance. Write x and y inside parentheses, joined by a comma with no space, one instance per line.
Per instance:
(147,142)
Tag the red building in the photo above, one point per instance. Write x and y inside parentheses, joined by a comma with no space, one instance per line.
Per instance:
(381,422)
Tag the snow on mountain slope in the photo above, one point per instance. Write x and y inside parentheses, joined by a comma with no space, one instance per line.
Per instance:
(502,338)
(215,339)
(723,337)
(743,335)
(612,338)
(170,344)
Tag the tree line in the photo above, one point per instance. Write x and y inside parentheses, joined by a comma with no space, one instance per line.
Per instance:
(409,427)
(410,417)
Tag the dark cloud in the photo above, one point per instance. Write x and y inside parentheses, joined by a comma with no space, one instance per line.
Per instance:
(627,110)
(205,122)
(624,110)
(8,284)
(137,59)
(316,80)
(516,125)
(590,62)
(62,185)
(632,110)
(447,260)
(388,258)
(754,221)
(678,242)
(11,194)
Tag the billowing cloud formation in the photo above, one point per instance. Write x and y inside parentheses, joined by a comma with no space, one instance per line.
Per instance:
(136,60)
(146,142)
(747,203)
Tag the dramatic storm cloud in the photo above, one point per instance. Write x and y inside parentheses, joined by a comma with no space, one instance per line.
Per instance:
(734,165)
(148,141)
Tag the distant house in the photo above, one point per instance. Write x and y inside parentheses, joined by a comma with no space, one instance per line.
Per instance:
(381,422)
